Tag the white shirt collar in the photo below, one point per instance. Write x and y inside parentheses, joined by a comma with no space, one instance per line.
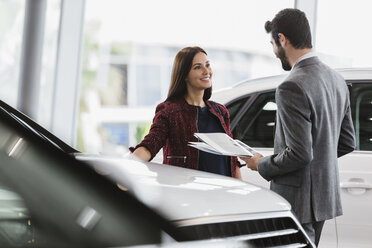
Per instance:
(305,56)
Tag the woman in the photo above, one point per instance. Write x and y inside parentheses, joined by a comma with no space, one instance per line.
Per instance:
(187,111)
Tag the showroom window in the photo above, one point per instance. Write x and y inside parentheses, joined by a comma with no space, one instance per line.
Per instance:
(343,38)
(48,66)
(11,34)
(128,52)
(11,28)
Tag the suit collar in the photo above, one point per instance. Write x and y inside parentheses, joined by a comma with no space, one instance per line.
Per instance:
(305,56)
(306,61)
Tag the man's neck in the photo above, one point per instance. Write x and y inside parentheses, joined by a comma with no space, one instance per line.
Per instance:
(295,54)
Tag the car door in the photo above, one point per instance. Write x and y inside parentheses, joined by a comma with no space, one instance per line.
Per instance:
(354,227)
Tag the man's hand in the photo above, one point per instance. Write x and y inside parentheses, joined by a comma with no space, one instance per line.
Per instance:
(252,161)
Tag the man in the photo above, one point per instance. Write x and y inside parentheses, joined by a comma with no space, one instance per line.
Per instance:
(313,127)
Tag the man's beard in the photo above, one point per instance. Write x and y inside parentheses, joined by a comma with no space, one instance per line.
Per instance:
(283,58)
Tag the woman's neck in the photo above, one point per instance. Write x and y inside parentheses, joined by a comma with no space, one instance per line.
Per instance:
(195,99)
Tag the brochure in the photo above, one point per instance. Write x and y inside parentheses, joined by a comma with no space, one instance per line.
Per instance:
(221,144)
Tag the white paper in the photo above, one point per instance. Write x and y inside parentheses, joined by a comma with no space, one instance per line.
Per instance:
(222,144)
(203,147)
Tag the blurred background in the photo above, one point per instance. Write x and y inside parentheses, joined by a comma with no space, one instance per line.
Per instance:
(105,65)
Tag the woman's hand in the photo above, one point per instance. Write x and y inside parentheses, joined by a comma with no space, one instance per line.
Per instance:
(142,154)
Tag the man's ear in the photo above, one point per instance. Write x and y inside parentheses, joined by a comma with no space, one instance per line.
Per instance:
(282,39)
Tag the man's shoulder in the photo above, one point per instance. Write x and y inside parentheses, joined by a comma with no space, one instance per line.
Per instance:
(313,69)
(311,65)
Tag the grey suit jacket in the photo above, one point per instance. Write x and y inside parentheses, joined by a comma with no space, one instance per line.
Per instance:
(313,128)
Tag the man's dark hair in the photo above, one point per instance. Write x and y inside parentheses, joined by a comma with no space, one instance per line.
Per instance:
(294,25)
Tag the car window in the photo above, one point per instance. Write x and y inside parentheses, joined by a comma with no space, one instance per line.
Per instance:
(361,103)
(15,224)
(256,127)
(236,106)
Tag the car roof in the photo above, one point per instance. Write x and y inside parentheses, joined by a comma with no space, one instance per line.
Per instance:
(245,87)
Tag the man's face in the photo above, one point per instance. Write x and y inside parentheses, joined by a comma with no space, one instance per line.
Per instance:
(280,54)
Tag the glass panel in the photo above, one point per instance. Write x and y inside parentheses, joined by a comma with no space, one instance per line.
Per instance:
(15,222)
(11,28)
(116,135)
(115,91)
(235,107)
(256,127)
(342,35)
(362,115)
(11,33)
(148,82)
(47,74)
(142,37)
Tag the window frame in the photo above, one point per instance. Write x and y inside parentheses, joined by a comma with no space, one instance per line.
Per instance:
(351,84)
(252,97)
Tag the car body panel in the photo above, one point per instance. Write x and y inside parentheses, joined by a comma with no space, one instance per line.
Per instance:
(175,191)
(228,94)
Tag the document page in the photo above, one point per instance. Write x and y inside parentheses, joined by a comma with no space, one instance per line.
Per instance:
(245,146)
(224,144)
(204,147)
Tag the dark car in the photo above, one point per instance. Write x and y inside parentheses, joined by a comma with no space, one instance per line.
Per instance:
(50,199)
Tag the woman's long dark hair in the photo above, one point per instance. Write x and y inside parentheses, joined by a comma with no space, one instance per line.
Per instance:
(181,68)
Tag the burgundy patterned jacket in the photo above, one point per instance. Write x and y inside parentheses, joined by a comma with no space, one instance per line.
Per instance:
(174,125)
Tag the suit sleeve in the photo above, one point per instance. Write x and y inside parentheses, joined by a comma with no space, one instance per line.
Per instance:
(346,142)
(294,114)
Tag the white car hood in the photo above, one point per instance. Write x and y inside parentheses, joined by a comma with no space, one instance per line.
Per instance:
(181,194)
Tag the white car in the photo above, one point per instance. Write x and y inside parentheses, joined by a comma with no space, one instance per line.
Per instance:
(252,108)
(206,206)
(53,196)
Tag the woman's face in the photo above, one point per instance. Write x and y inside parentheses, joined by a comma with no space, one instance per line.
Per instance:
(200,75)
